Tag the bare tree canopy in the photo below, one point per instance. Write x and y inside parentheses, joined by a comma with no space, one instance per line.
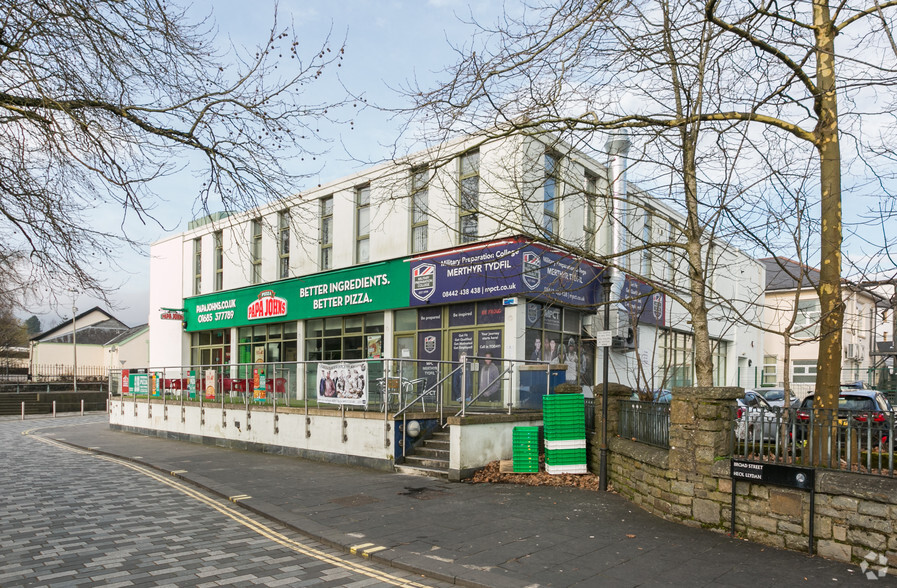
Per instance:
(100,98)
(767,83)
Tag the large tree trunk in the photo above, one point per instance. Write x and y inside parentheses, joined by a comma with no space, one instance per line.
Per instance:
(828,364)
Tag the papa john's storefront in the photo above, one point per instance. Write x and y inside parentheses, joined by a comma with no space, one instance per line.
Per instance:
(511,298)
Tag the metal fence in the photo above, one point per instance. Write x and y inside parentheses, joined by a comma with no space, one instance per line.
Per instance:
(478,384)
(61,372)
(859,441)
(647,422)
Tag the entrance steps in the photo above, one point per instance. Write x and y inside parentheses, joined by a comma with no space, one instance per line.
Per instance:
(429,458)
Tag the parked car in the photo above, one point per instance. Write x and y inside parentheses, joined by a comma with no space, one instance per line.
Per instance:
(859,412)
(660,396)
(755,418)
(776,397)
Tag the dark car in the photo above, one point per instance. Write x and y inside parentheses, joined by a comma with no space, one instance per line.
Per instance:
(862,415)
(776,397)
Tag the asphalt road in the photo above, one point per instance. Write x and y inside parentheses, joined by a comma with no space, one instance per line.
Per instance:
(73,518)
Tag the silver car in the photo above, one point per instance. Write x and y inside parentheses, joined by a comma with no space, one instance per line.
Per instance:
(755,418)
(776,397)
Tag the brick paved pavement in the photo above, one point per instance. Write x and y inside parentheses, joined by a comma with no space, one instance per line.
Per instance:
(479,535)
(71,519)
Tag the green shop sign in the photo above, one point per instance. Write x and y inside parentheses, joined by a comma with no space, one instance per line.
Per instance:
(369,288)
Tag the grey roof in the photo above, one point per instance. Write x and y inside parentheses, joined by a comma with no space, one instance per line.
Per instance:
(96,334)
(121,338)
(783,274)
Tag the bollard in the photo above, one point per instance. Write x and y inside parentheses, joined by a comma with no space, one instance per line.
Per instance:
(82,407)
(54,409)
(23,411)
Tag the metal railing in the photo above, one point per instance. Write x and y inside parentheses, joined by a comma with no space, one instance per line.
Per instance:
(55,372)
(858,441)
(392,386)
(647,422)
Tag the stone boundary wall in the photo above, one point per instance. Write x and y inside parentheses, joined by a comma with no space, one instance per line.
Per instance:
(856,514)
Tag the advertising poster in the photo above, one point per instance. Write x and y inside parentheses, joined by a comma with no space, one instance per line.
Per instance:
(125,389)
(462,346)
(156,384)
(645,306)
(375,346)
(210,385)
(489,345)
(258,384)
(191,385)
(141,383)
(500,269)
(429,348)
(343,383)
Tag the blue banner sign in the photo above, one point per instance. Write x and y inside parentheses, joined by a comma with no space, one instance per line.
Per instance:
(504,268)
(644,304)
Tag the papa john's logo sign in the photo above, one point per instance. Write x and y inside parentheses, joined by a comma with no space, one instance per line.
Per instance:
(267,306)
(423,281)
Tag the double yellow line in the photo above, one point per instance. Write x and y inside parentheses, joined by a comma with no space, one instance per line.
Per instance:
(247,521)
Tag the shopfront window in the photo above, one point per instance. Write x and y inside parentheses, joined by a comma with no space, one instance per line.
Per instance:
(344,339)
(553,334)
(210,347)
(275,345)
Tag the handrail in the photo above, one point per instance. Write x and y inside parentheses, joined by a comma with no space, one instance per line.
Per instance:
(480,393)
(427,391)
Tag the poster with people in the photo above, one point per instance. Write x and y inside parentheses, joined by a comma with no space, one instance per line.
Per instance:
(343,383)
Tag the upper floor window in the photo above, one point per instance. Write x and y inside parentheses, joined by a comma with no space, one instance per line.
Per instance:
(283,243)
(806,323)
(591,219)
(550,218)
(469,197)
(362,224)
(219,261)
(647,229)
(197,266)
(420,178)
(255,252)
(327,233)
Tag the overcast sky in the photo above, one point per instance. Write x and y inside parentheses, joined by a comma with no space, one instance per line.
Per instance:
(387,44)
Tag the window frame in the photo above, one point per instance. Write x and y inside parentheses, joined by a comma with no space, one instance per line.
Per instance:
(197,265)
(255,251)
(551,198)
(283,243)
(362,206)
(590,221)
(468,214)
(326,234)
(420,211)
(218,237)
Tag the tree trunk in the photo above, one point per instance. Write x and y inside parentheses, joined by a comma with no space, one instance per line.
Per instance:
(828,364)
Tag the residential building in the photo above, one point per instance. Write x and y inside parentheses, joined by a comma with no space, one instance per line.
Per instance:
(93,344)
(794,318)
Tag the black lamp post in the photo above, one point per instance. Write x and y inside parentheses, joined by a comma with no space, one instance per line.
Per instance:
(602,468)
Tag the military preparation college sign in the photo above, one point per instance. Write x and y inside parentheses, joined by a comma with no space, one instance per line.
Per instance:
(504,268)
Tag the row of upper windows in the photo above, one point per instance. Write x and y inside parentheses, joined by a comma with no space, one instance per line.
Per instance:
(467,228)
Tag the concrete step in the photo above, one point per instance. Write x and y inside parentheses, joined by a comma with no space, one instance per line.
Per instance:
(432,453)
(426,462)
(422,471)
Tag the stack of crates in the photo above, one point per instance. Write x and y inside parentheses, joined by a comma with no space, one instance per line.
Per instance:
(565,433)
(526,450)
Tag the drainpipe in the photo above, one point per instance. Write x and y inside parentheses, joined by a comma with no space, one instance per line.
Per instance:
(617,147)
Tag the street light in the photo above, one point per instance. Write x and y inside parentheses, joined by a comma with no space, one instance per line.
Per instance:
(74,344)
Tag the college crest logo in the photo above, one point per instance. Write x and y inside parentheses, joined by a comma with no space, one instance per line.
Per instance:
(532,270)
(657,306)
(266,306)
(430,344)
(532,314)
(423,281)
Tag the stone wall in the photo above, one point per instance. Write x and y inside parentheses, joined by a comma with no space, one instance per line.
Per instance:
(856,514)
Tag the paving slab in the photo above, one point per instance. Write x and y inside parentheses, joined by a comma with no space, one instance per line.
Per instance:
(471,534)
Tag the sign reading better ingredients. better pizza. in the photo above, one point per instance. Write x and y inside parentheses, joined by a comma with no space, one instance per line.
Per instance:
(379,286)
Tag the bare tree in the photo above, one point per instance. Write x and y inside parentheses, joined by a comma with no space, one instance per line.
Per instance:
(99,99)
(581,70)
